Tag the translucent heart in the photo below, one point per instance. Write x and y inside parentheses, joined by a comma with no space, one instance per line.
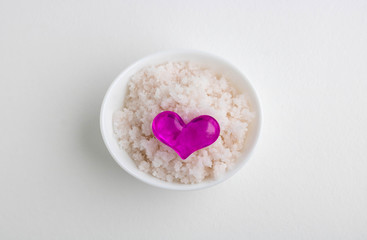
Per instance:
(169,128)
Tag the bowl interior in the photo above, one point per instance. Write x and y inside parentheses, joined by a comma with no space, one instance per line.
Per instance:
(116,93)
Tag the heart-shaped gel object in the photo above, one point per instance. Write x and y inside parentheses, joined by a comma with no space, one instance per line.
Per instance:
(169,128)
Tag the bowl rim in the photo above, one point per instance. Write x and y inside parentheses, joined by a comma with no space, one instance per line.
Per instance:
(168,185)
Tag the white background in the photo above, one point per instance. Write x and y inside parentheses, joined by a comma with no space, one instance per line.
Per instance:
(306,59)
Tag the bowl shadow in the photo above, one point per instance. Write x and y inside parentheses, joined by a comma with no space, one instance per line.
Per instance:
(100,162)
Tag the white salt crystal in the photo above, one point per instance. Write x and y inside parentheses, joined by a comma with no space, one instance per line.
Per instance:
(189,90)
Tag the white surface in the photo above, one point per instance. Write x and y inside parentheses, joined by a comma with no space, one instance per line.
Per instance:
(306,180)
(115,96)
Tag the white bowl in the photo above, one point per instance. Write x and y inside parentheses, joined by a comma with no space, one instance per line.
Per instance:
(115,95)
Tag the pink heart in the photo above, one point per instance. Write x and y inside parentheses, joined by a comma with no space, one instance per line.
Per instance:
(169,128)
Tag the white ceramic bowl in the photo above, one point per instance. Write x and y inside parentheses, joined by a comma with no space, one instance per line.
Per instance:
(115,95)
